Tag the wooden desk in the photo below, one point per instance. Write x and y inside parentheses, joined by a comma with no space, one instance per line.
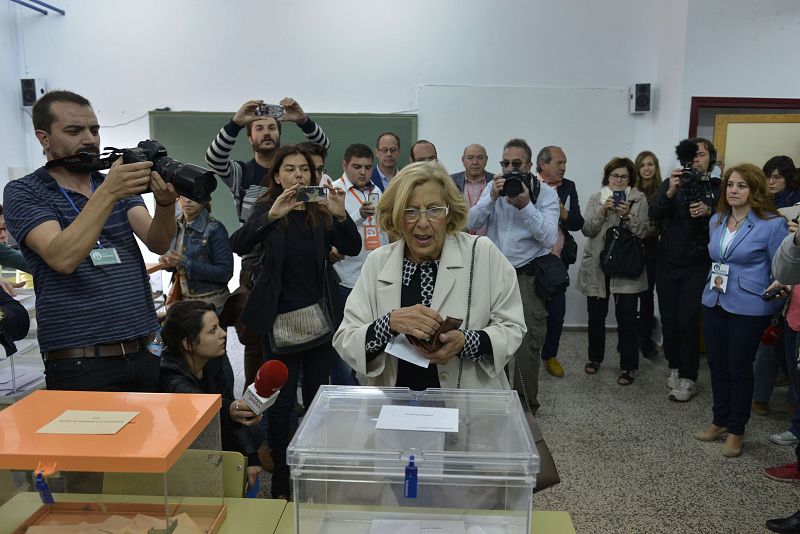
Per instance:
(244,515)
(544,522)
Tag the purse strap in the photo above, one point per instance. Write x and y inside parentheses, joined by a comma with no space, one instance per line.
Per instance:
(469,306)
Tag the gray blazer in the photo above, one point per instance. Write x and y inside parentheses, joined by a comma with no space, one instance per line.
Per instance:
(459,178)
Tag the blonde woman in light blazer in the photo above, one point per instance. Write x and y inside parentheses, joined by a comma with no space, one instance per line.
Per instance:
(412,285)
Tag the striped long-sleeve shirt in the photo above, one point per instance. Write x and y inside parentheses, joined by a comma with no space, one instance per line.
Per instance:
(233,172)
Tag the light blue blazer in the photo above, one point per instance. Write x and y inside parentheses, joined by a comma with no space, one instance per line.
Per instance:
(749,258)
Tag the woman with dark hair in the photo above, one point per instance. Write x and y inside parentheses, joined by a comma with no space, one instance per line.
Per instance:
(782,186)
(744,236)
(192,362)
(782,181)
(648,181)
(616,202)
(296,238)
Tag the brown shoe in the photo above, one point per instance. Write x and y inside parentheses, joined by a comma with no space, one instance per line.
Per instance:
(732,446)
(712,433)
(760,408)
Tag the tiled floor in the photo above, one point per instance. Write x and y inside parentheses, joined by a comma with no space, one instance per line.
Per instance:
(628,461)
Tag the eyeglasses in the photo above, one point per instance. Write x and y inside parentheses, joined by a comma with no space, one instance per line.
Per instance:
(392,150)
(619,177)
(434,213)
(517,163)
(775,178)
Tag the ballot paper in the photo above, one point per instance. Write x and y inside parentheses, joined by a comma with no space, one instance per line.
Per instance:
(401,347)
(424,526)
(790,212)
(419,418)
(88,422)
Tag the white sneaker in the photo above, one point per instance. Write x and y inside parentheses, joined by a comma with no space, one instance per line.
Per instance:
(672,379)
(784,438)
(684,391)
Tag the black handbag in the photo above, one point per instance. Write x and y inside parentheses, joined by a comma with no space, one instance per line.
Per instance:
(569,252)
(552,277)
(623,253)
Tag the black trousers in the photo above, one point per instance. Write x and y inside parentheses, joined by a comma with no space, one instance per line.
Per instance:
(628,336)
(679,292)
(647,319)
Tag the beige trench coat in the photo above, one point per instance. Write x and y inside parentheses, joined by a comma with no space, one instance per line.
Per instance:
(591,278)
(496,309)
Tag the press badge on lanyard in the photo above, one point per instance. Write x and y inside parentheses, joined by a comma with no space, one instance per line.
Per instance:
(371,239)
(720,271)
(100,255)
(719,277)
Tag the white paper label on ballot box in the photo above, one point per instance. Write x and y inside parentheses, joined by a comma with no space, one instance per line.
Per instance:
(419,418)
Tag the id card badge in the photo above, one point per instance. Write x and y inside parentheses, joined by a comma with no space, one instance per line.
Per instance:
(371,239)
(104,256)
(719,277)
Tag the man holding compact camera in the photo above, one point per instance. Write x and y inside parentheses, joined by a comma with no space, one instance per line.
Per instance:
(683,207)
(522,217)
(76,230)
(246,180)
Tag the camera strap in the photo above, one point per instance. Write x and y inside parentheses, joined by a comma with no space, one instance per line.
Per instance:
(535,188)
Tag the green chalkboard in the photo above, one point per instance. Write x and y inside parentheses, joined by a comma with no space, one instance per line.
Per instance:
(187,134)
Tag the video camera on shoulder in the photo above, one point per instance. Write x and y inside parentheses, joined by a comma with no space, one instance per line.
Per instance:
(690,177)
(190,181)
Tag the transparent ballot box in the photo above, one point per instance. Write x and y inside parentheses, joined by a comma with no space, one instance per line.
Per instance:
(73,461)
(352,473)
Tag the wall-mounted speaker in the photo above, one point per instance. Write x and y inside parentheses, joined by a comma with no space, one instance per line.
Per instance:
(640,98)
(32,89)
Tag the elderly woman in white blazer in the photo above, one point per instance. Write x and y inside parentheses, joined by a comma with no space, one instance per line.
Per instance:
(409,288)
(602,212)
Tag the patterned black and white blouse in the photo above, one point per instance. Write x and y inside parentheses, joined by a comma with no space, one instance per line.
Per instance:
(419,279)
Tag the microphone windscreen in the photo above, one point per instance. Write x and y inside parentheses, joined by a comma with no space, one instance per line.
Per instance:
(270,378)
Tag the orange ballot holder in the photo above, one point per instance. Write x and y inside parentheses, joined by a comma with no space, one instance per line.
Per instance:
(109,458)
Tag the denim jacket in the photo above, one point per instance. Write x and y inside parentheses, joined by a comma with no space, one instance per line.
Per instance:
(207,257)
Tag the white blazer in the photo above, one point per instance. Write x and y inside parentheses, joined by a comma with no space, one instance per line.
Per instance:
(496,309)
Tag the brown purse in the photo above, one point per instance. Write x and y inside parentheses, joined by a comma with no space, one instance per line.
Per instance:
(548,473)
(434,343)
(175,294)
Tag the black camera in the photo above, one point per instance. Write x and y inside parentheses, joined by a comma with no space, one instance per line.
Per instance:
(190,181)
(513,183)
(690,177)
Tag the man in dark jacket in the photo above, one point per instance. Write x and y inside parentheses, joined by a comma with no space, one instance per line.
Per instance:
(683,210)
(551,165)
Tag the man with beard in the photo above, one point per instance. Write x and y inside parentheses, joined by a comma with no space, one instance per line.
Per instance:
(247,180)
(76,230)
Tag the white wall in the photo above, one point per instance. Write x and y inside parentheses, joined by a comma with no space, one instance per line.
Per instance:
(741,48)
(350,56)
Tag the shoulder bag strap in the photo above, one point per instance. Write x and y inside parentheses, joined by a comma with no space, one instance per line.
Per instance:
(469,307)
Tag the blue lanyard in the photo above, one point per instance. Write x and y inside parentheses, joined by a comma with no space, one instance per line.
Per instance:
(71,203)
